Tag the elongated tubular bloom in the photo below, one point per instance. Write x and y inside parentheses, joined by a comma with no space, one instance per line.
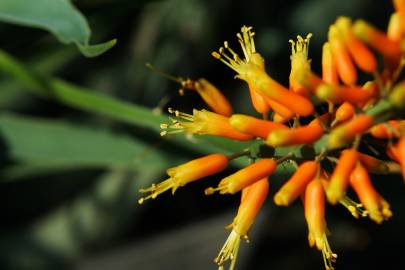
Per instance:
(338,94)
(396,29)
(300,64)
(360,54)
(213,97)
(344,113)
(373,165)
(186,173)
(300,135)
(376,39)
(390,129)
(259,102)
(245,177)
(329,70)
(247,212)
(208,92)
(251,70)
(279,108)
(339,179)
(295,186)
(346,132)
(203,122)
(376,206)
(344,64)
(314,205)
(253,126)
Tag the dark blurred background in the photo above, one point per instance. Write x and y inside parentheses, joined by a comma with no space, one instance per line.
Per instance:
(87,217)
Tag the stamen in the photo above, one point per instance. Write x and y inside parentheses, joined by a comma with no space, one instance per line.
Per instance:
(229,251)
(156,189)
(355,208)
(328,256)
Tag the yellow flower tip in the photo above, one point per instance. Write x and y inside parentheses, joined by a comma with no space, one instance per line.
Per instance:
(277,138)
(156,189)
(361,29)
(397,95)
(300,64)
(356,209)
(325,92)
(334,194)
(280,199)
(229,250)
(243,66)
(336,140)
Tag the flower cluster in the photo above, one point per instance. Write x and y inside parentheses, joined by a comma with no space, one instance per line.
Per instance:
(339,118)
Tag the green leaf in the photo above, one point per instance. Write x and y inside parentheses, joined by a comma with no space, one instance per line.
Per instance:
(59,144)
(91,101)
(59,17)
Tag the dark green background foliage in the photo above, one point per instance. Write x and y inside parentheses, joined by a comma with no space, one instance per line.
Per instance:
(78,138)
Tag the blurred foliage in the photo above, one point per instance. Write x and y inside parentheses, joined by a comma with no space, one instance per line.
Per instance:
(57,16)
(79,136)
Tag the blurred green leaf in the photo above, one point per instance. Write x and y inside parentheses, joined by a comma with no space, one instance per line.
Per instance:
(91,101)
(56,143)
(59,17)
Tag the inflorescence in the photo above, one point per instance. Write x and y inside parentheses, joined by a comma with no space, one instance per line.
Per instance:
(353,129)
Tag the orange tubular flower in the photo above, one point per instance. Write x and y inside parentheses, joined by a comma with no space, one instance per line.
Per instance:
(259,102)
(346,132)
(186,173)
(244,177)
(391,129)
(340,176)
(300,64)
(301,135)
(329,71)
(280,109)
(344,113)
(396,29)
(373,165)
(295,186)
(247,212)
(253,126)
(346,70)
(251,70)
(208,92)
(376,206)
(213,97)
(203,122)
(376,39)
(314,205)
(361,55)
(339,94)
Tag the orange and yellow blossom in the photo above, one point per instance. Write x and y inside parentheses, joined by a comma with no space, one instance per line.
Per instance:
(245,177)
(340,176)
(376,206)
(203,122)
(186,173)
(251,69)
(295,186)
(253,126)
(314,206)
(250,205)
